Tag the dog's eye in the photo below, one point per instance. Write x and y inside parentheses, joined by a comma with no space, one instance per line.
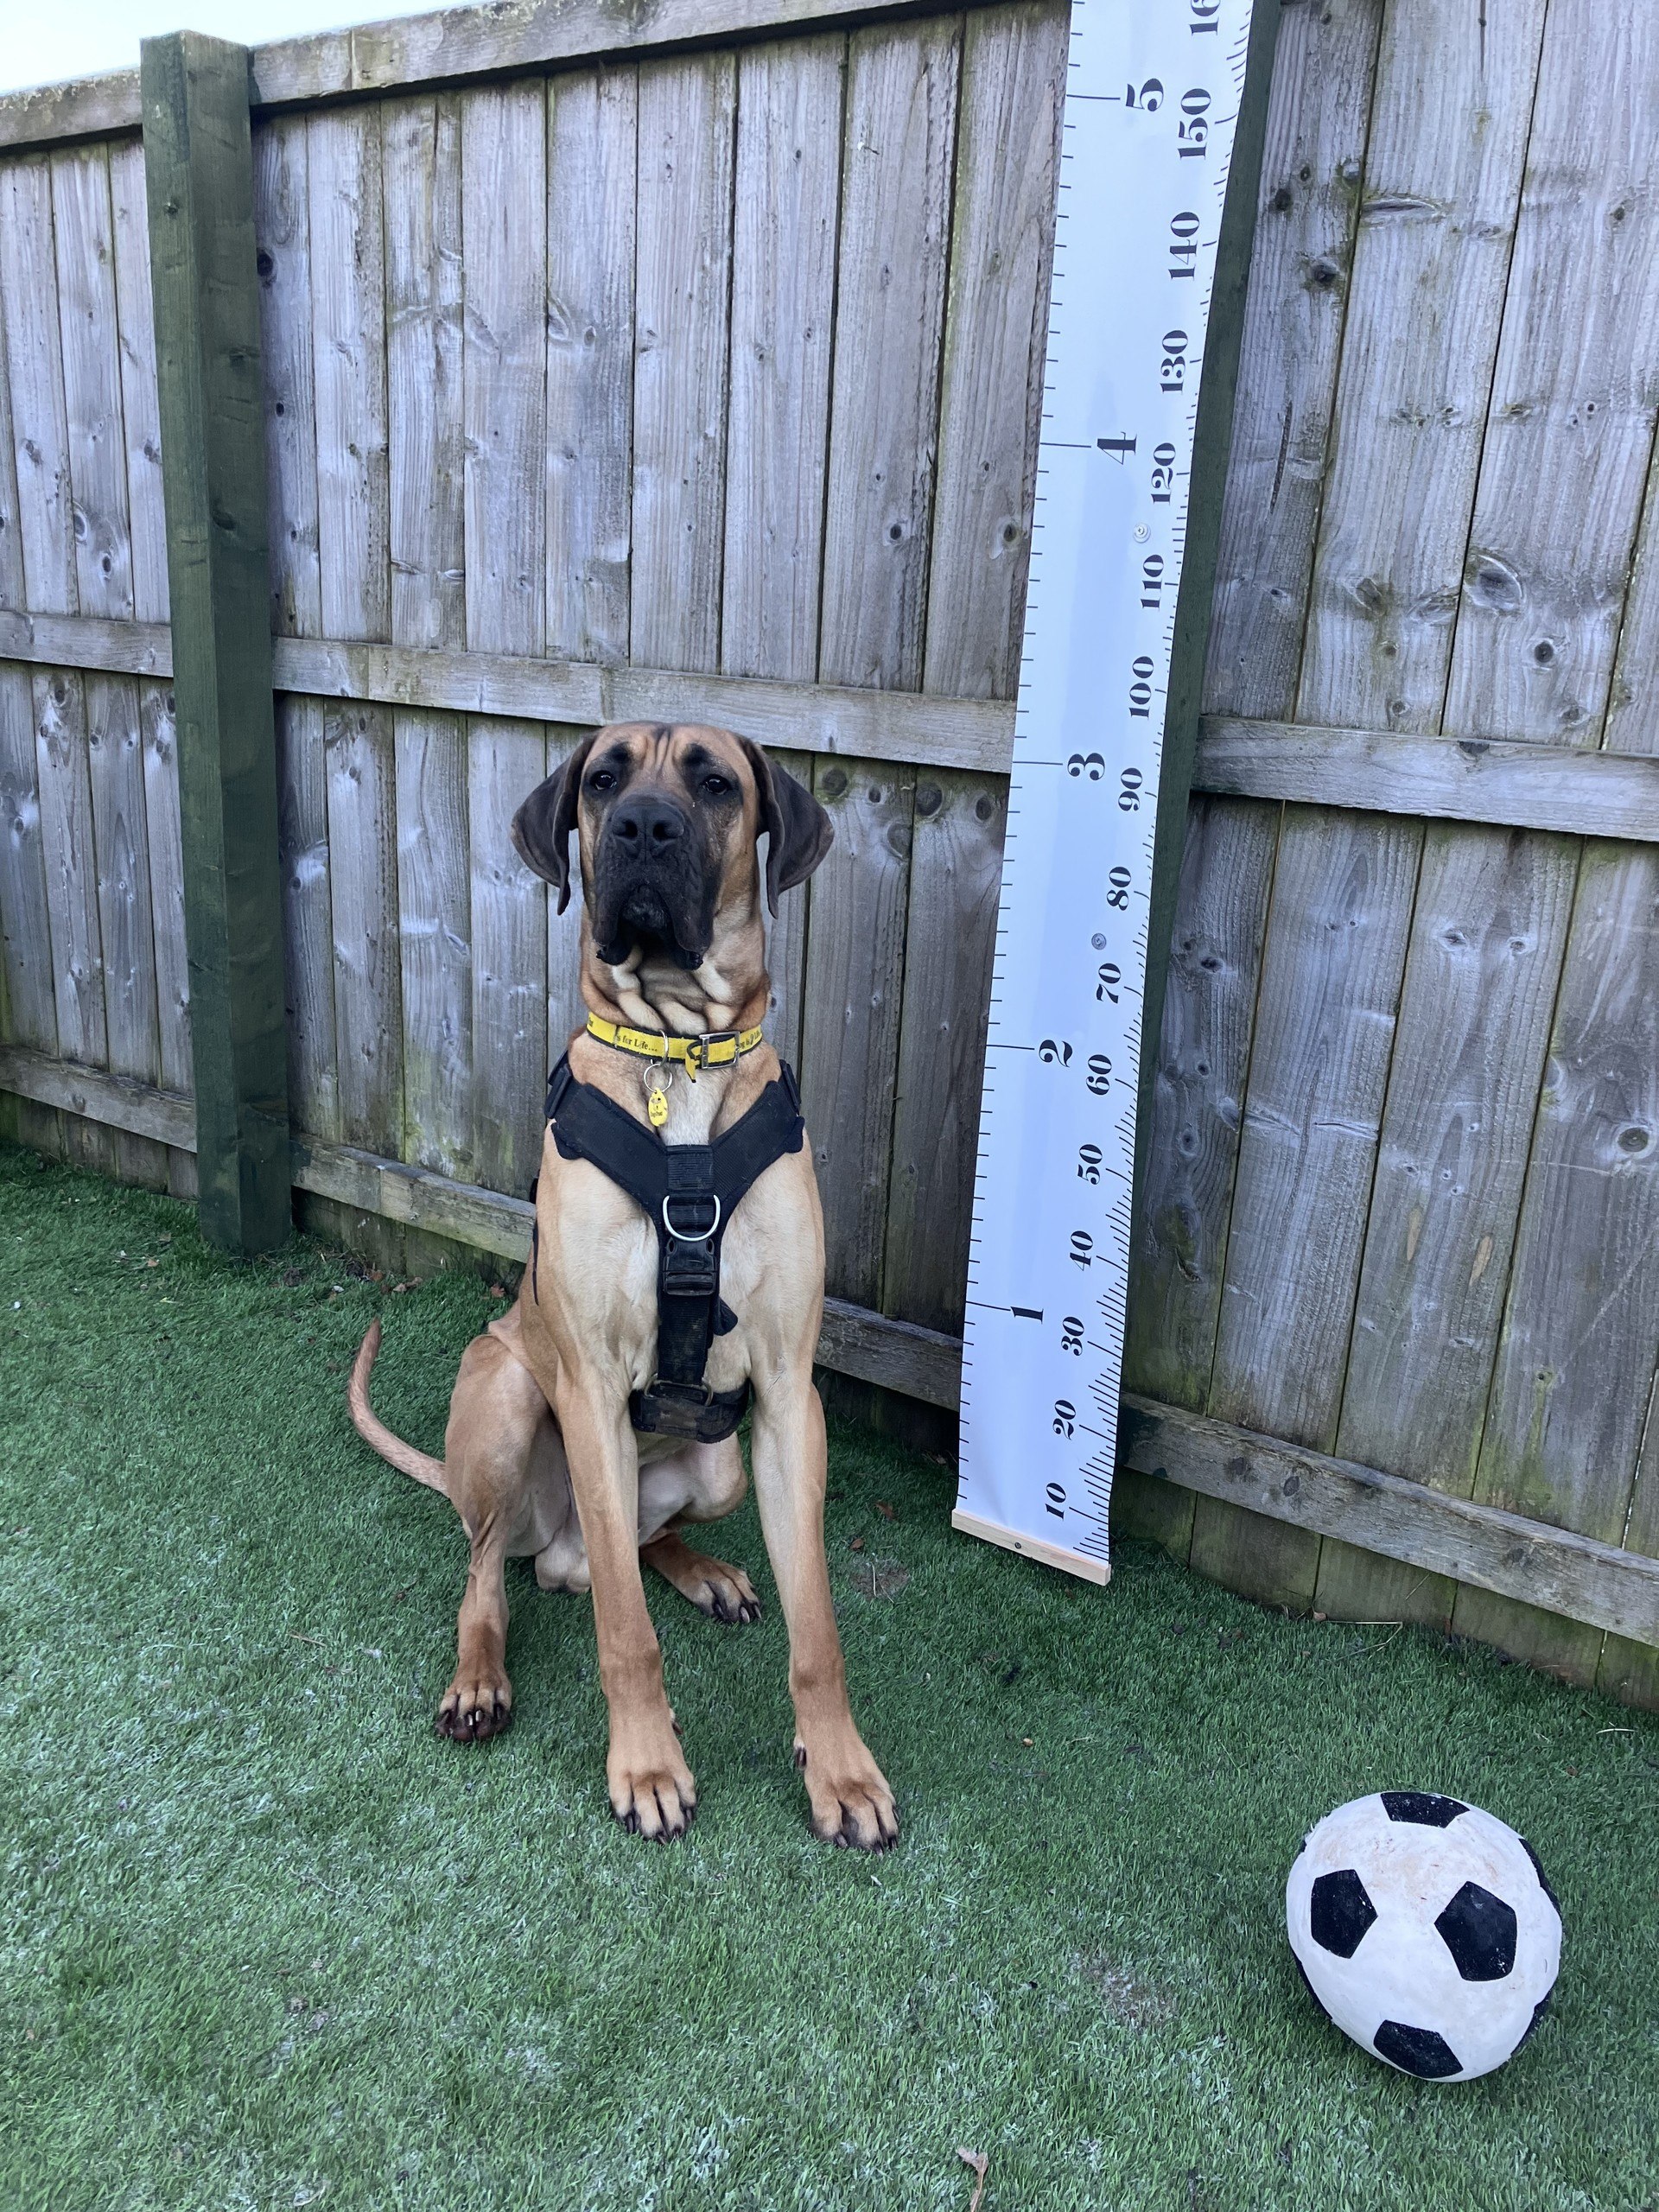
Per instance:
(715,786)
(602,779)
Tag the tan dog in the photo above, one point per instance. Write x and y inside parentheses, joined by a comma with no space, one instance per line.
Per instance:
(540,1458)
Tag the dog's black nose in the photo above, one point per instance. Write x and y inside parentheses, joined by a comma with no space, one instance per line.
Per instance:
(644,825)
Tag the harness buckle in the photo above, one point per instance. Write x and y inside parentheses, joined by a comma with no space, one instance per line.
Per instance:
(697,1395)
(692,1197)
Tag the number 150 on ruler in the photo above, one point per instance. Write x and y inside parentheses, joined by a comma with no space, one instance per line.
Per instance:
(1153,93)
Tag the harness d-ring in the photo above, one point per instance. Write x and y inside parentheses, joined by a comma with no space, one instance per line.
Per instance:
(681,1235)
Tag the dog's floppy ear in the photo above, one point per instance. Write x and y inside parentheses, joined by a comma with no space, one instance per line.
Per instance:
(542,827)
(798,831)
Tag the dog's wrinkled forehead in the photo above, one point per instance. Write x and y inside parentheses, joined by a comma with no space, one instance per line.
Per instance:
(690,761)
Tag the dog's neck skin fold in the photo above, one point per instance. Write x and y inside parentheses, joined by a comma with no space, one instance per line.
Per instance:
(728,990)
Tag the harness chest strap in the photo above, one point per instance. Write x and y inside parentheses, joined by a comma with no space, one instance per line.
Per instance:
(689,1192)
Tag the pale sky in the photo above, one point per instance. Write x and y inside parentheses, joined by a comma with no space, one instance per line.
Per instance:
(82,38)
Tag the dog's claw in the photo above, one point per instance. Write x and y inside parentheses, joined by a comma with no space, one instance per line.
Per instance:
(852,1805)
(652,1793)
(489,1715)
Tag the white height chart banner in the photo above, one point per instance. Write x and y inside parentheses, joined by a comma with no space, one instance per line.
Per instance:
(1153,95)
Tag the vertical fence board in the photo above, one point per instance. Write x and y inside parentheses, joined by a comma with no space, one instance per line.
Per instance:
(282,203)
(1630,1670)
(786,942)
(349,307)
(27,1005)
(46,528)
(687,118)
(956,872)
(361,769)
(1632,724)
(566,1011)
(1180,1241)
(421,154)
(897,166)
(84,252)
(1487,939)
(120,830)
(1569,430)
(83,231)
(995,333)
(347,271)
(281,212)
(1564,1429)
(63,775)
(1442,185)
(141,421)
(592,153)
(783,310)
(509,954)
(161,742)
(308,916)
(1332,967)
(426,439)
(855,979)
(504,221)
(29,293)
(147,522)
(1317,119)
(592,161)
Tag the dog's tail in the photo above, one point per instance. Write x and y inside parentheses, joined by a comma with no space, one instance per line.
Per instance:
(373,1431)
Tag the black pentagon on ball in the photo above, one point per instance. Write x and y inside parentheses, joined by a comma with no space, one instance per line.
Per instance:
(1421,1806)
(1416,2050)
(1340,1912)
(1480,1930)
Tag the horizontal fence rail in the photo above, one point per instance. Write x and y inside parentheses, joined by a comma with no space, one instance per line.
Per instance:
(1524,786)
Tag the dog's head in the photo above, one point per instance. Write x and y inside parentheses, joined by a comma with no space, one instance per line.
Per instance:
(668,821)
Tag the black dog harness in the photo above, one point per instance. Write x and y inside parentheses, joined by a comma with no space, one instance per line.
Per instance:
(690,1193)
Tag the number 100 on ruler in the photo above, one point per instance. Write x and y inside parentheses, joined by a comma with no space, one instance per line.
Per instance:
(1152,96)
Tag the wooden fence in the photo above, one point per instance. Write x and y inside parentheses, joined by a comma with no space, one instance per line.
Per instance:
(694,369)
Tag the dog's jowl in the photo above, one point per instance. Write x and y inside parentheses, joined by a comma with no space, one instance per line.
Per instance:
(677,1270)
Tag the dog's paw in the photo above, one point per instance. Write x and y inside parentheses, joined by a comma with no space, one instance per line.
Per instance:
(725,1593)
(652,1793)
(852,1805)
(476,1706)
(720,1592)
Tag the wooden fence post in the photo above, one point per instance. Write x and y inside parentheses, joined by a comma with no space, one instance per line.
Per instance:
(199,168)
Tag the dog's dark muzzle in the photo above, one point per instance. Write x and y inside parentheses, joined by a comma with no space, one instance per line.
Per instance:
(650,869)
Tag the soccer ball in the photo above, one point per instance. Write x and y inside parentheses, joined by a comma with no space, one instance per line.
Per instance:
(1425,1930)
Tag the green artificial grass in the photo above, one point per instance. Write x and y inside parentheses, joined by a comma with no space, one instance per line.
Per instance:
(266,1941)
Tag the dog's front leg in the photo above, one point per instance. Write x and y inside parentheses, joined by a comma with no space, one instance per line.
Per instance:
(652,1789)
(851,1801)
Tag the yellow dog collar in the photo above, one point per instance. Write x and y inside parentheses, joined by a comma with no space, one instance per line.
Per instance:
(719,1048)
